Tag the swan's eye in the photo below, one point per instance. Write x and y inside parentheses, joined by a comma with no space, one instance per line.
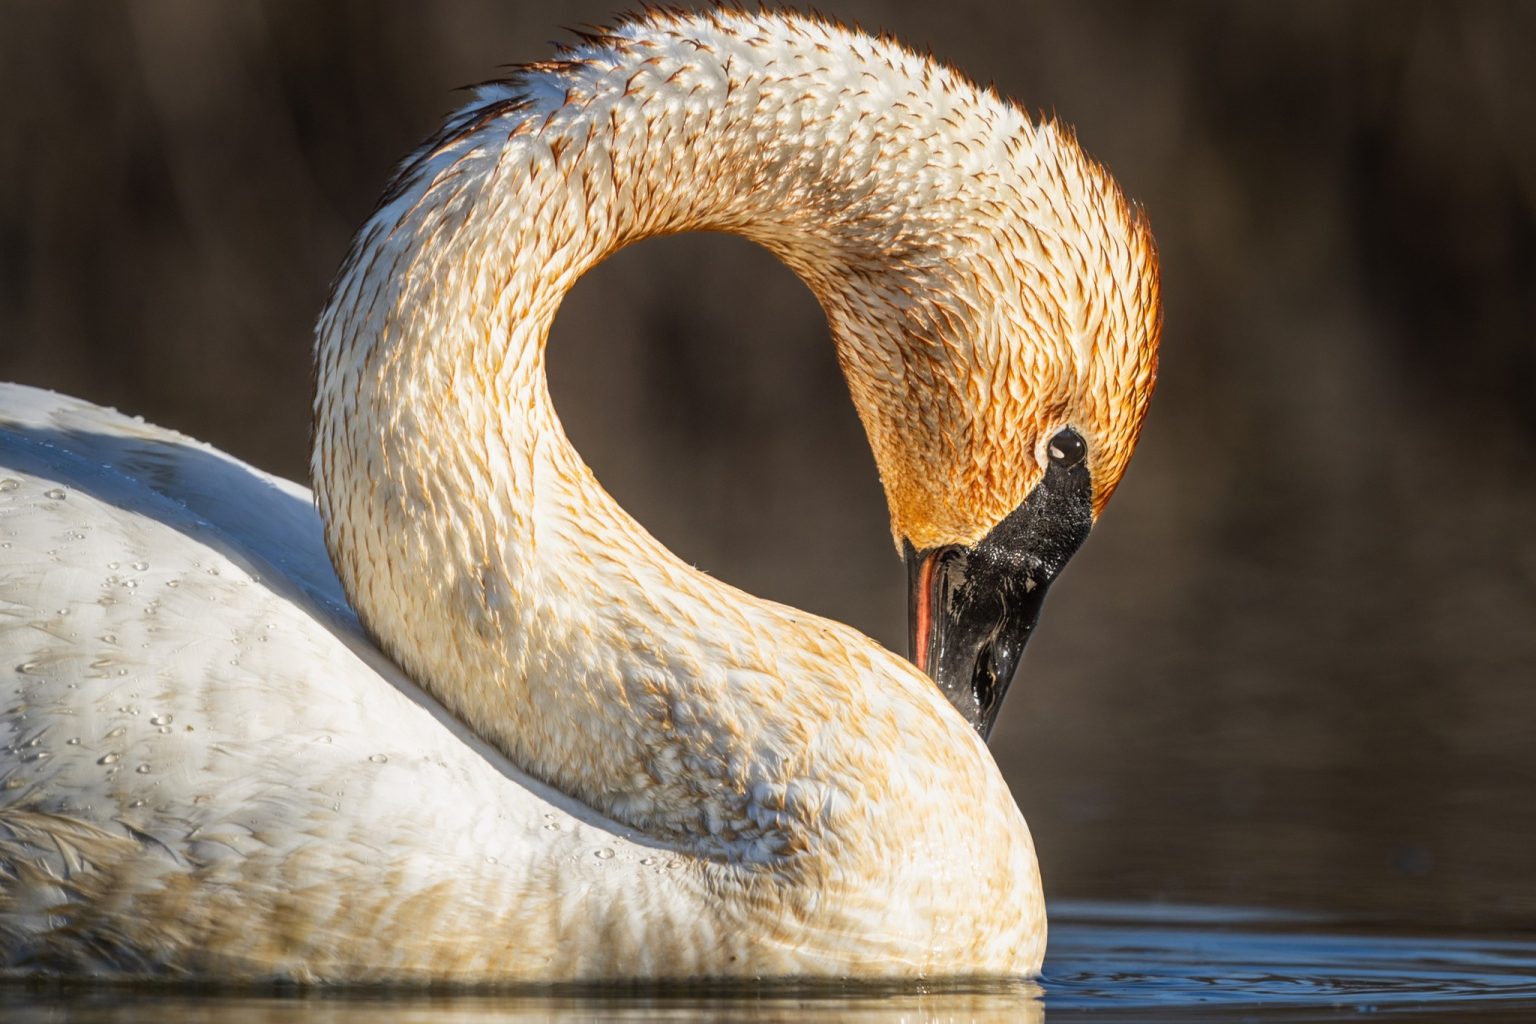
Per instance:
(1068,448)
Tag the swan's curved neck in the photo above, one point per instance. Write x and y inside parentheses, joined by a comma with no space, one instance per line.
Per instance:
(471,537)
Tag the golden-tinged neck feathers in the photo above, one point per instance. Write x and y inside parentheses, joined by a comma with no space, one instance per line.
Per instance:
(985,283)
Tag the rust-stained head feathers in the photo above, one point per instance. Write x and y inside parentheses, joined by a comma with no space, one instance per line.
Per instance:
(1044,314)
(988,284)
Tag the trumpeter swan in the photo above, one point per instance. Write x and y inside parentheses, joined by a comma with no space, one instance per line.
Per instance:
(615,766)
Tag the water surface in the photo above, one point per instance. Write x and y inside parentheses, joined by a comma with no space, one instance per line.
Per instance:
(1108,961)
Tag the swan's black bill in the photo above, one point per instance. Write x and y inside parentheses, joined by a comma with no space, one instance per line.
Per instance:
(972,609)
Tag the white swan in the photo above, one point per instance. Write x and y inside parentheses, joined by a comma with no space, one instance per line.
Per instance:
(211,772)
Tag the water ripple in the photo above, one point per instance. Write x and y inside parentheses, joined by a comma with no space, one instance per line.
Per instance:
(1126,962)
(1112,957)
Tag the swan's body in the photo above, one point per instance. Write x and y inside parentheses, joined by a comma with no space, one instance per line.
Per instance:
(235,783)
(208,767)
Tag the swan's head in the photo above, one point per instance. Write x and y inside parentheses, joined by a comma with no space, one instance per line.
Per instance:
(1003,390)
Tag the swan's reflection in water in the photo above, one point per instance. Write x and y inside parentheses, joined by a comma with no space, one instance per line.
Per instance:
(1019,1002)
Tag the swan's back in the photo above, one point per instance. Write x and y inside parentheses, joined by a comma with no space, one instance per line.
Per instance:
(208,769)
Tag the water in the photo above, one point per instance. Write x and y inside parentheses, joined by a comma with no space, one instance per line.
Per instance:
(1108,962)
(1148,962)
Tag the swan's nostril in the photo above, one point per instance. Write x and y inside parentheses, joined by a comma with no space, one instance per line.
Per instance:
(984,680)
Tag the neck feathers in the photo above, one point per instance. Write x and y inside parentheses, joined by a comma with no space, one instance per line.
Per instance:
(472,539)
(479,550)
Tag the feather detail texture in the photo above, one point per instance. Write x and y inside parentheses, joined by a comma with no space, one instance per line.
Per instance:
(511,737)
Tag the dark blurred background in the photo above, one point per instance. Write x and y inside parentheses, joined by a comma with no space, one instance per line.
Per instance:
(1295,664)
